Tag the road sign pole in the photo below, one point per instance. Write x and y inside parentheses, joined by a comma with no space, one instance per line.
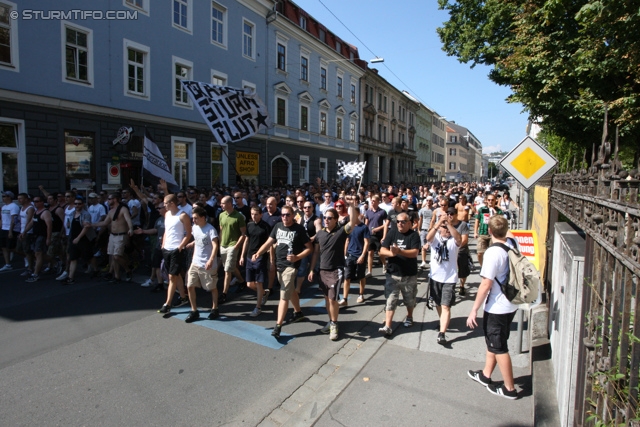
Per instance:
(525,213)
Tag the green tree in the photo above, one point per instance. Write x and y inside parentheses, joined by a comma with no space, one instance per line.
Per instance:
(564,60)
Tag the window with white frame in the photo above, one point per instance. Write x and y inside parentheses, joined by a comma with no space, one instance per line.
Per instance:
(304,68)
(281,111)
(453,139)
(282,57)
(323,78)
(78,54)
(141,5)
(353,93)
(338,46)
(304,117)
(304,169)
(13,160)
(136,70)
(183,157)
(384,104)
(218,24)
(339,77)
(219,78)
(452,166)
(182,70)
(323,168)
(248,85)
(303,22)
(352,131)
(8,37)
(248,39)
(452,151)
(182,14)
(323,123)
(339,127)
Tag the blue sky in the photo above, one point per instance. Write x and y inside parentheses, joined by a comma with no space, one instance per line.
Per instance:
(403,32)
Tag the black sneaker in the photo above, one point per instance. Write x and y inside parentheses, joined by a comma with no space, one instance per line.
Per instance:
(165,309)
(296,317)
(181,301)
(68,281)
(157,288)
(502,391)
(479,377)
(276,331)
(241,287)
(222,298)
(442,340)
(462,292)
(215,313)
(114,279)
(193,316)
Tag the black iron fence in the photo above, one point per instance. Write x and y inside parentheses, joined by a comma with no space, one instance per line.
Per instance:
(603,201)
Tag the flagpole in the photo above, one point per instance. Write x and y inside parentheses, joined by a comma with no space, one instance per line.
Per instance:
(360,183)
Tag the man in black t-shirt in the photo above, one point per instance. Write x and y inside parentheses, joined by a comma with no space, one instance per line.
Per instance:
(400,247)
(330,242)
(292,244)
(257,271)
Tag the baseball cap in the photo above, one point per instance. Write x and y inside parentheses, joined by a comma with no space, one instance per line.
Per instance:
(405,198)
(9,193)
(93,196)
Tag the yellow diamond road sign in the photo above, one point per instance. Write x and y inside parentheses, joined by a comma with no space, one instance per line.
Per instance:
(528,162)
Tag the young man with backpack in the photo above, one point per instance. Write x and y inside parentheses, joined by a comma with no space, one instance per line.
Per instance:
(498,312)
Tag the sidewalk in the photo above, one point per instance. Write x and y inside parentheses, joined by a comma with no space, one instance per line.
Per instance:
(409,379)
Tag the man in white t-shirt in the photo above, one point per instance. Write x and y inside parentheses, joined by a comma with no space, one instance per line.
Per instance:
(203,271)
(444,240)
(10,228)
(498,313)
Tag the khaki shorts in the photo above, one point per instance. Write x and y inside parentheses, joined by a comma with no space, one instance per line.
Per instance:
(483,244)
(55,248)
(287,280)
(117,244)
(405,285)
(199,277)
(229,258)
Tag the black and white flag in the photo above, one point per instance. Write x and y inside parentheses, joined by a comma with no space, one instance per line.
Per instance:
(351,170)
(154,164)
(231,114)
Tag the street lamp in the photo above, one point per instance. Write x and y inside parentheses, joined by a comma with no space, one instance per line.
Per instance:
(376,60)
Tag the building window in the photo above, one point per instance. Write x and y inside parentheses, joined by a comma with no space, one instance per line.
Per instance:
(79,148)
(453,139)
(78,54)
(452,151)
(339,127)
(248,39)
(353,94)
(384,104)
(304,169)
(12,155)
(218,78)
(379,132)
(182,10)
(282,57)
(303,22)
(218,24)
(184,159)
(7,34)
(452,166)
(136,70)
(182,70)
(218,165)
(304,68)
(352,132)
(281,117)
(141,5)
(339,87)
(323,78)
(384,134)
(338,46)
(393,108)
(323,168)
(322,35)
(304,117)
(323,123)
(379,102)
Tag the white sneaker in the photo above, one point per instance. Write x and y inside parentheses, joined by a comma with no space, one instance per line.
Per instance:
(333,331)
(326,329)
(423,265)
(62,277)
(6,267)
(256,312)
(147,283)
(343,303)
(368,273)
(26,263)
(360,299)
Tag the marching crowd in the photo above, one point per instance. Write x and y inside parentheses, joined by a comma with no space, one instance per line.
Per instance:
(263,238)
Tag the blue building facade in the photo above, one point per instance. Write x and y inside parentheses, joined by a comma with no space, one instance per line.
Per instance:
(76,75)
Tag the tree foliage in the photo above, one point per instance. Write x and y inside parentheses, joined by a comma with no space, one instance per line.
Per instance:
(564,60)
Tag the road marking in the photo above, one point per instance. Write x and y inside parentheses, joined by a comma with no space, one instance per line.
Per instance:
(237,328)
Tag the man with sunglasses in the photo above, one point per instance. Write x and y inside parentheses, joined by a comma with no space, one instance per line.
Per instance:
(182,205)
(312,224)
(481,227)
(330,243)
(400,247)
(445,241)
(292,245)
(41,224)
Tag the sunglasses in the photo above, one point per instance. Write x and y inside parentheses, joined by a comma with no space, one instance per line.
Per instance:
(237,198)
(329,217)
(77,203)
(285,214)
(403,221)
